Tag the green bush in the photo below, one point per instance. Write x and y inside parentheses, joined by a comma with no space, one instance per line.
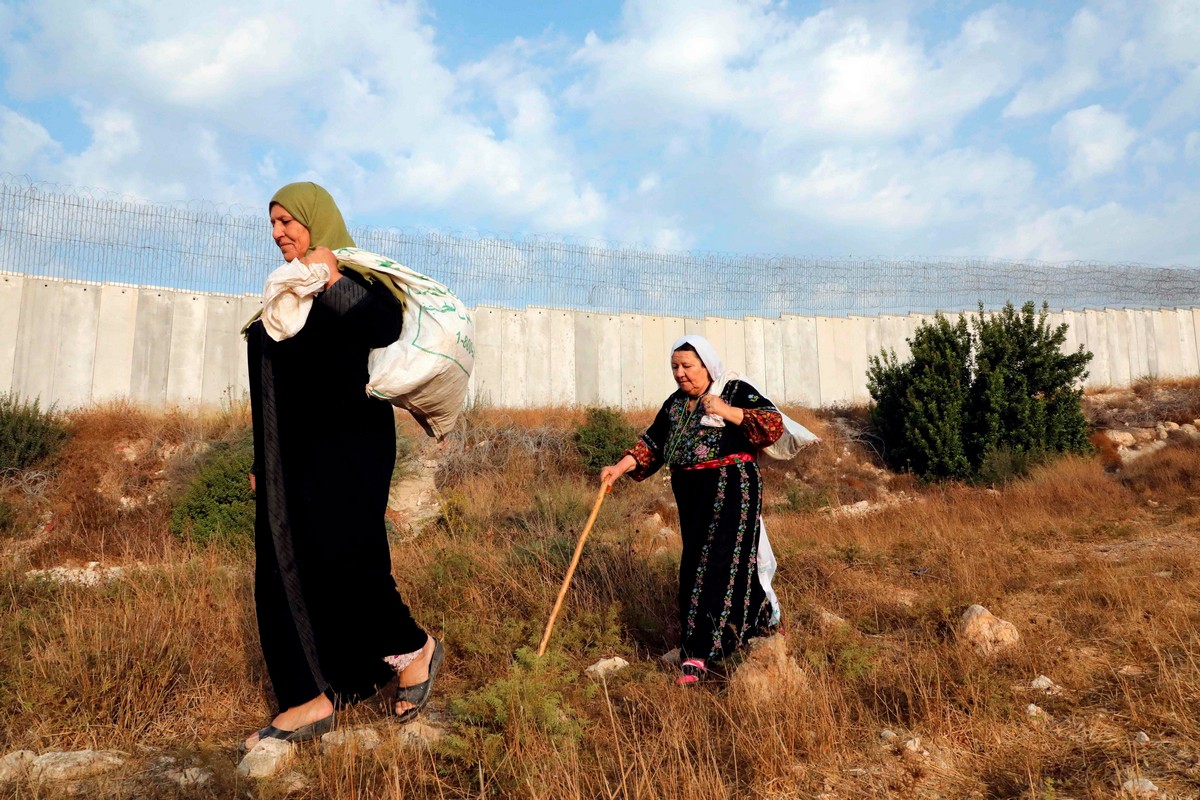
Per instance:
(217,507)
(28,434)
(603,438)
(980,401)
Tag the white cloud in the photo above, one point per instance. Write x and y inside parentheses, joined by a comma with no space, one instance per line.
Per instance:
(892,189)
(24,144)
(1191,146)
(1094,35)
(1096,140)
(843,72)
(180,103)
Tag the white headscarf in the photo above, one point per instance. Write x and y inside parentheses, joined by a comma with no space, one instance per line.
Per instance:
(708,355)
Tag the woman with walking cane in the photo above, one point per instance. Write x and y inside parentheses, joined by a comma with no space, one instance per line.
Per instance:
(708,433)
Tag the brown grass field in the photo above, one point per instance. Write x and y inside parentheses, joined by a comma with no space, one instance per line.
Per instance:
(1098,568)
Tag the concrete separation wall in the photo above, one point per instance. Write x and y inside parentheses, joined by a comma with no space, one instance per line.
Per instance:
(74,343)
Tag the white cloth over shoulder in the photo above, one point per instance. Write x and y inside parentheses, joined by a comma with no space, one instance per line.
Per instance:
(288,297)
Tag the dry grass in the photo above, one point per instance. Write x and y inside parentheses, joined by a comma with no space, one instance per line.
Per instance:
(1099,571)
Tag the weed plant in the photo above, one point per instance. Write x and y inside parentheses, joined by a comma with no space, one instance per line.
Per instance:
(603,438)
(217,507)
(29,434)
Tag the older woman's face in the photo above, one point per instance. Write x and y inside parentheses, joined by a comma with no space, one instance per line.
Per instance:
(291,237)
(689,372)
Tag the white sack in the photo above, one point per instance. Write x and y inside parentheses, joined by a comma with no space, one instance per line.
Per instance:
(427,369)
(288,296)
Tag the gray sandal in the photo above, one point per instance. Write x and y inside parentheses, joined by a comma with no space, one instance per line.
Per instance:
(305,733)
(419,694)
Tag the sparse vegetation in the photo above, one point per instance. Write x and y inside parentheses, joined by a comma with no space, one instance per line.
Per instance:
(217,507)
(984,399)
(603,438)
(1099,570)
(29,434)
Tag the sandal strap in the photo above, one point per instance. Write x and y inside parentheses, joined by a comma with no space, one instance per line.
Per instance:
(698,663)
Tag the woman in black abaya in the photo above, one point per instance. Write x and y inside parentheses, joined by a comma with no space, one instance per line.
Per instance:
(332,624)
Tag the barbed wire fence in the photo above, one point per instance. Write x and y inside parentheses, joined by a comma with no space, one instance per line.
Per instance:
(80,234)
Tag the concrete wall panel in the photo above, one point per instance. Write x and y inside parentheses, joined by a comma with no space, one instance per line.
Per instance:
(115,331)
(1118,347)
(893,336)
(608,361)
(37,339)
(512,337)
(1166,337)
(537,357)
(655,361)
(834,347)
(734,354)
(1189,358)
(587,349)
(756,357)
(1139,349)
(185,369)
(773,378)
(76,339)
(11,289)
(714,331)
(223,381)
(1097,342)
(562,357)
(152,346)
(489,356)
(864,342)
(801,375)
(632,361)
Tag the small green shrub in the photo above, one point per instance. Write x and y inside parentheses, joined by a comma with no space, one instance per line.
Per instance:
(28,434)
(980,401)
(217,507)
(8,517)
(603,438)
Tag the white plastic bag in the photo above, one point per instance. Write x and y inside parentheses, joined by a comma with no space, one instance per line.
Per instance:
(795,436)
(766,571)
(427,369)
(794,439)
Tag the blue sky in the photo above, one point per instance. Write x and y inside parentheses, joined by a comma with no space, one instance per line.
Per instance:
(1053,131)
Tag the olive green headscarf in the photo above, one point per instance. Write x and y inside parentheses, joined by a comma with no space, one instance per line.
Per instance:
(313,206)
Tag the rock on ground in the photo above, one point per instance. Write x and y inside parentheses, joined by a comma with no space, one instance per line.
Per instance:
(769,673)
(265,759)
(987,633)
(15,765)
(1139,787)
(74,764)
(363,738)
(189,778)
(418,734)
(607,666)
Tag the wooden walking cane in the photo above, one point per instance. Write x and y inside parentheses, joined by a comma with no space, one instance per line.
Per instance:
(562,593)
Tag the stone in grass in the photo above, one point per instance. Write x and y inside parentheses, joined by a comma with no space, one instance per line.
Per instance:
(265,758)
(1141,738)
(189,778)
(73,765)
(769,673)
(1139,787)
(987,633)
(362,738)
(15,765)
(418,734)
(1044,684)
(671,658)
(607,666)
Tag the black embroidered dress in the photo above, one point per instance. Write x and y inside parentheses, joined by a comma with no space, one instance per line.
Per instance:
(721,601)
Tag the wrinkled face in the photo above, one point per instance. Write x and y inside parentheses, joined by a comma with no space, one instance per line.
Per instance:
(292,238)
(689,372)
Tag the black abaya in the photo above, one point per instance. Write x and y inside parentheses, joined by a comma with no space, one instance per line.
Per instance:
(328,608)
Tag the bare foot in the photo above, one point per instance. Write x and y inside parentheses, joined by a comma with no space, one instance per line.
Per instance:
(416,672)
(298,716)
